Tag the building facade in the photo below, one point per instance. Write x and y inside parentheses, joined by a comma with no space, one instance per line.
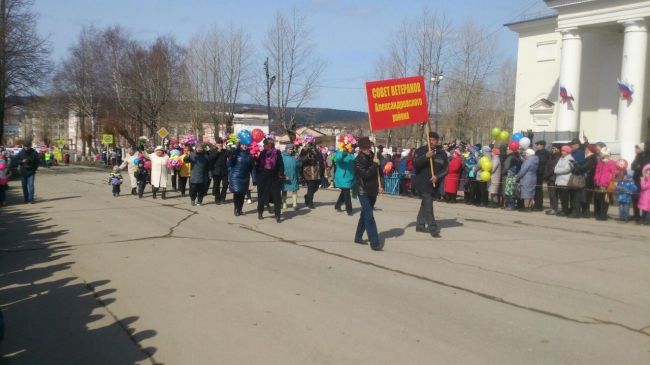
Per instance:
(584,71)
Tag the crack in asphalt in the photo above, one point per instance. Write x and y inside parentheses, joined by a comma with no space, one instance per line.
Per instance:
(124,327)
(442,258)
(594,321)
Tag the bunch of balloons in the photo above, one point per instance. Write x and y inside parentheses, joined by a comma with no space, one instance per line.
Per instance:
(258,135)
(500,135)
(147,165)
(486,168)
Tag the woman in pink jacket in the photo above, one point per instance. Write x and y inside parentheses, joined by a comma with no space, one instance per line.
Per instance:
(644,194)
(603,177)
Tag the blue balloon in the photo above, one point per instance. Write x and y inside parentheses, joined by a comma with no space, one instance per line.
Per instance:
(245,137)
(517,136)
(136,161)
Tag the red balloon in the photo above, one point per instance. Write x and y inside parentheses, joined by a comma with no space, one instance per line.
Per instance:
(621,165)
(258,135)
(147,165)
(141,156)
(513,146)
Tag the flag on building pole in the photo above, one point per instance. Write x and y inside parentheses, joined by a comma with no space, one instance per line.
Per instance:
(564,94)
(625,90)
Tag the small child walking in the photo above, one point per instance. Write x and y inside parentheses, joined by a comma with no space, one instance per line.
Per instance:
(644,195)
(141,176)
(115,179)
(624,191)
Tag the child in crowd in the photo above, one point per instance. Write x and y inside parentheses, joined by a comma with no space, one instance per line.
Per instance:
(644,195)
(624,191)
(115,180)
(5,173)
(141,176)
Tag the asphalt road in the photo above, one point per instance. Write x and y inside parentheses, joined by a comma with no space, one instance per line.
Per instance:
(86,278)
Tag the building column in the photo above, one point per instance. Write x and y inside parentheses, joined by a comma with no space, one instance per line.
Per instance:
(568,113)
(630,113)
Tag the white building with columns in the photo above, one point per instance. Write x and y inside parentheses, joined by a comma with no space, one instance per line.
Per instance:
(569,66)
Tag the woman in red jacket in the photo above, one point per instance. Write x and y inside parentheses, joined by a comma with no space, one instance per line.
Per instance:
(453,177)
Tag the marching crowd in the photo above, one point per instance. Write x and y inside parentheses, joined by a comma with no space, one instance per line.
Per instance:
(577,175)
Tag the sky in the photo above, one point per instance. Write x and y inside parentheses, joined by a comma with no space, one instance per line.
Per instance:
(349,35)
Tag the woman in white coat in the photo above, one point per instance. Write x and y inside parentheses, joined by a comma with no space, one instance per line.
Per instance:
(159,172)
(128,164)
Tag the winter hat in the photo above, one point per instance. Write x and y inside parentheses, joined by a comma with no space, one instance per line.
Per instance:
(592,148)
(530,152)
(159,148)
(566,148)
(364,142)
(496,151)
(486,149)
(641,146)
(646,168)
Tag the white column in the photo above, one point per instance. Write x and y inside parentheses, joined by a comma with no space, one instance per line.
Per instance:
(568,113)
(630,113)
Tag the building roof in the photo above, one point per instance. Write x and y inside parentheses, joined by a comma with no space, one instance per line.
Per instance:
(531,19)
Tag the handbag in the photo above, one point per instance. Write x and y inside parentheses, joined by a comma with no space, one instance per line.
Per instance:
(577,182)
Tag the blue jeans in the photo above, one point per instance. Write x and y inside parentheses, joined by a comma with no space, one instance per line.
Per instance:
(624,211)
(367,220)
(28,187)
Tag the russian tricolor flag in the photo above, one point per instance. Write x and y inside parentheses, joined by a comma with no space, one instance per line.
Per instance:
(625,91)
(565,94)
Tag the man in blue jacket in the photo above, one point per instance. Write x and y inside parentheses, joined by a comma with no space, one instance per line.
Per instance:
(27,160)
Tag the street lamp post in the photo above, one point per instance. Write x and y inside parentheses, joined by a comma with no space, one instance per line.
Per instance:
(436,77)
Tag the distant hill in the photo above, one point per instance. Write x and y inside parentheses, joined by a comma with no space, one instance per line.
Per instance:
(318,116)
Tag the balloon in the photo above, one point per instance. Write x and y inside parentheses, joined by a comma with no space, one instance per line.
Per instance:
(136,161)
(621,165)
(485,176)
(517,136)
(486,163)
(147,165)
(503,136)
(388,168)
(175,153)
(258,135)
(3,166)
(245,137)
(524,143)
(496,132)
(513,146)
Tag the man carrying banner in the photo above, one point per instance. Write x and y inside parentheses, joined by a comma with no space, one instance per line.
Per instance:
(425,182)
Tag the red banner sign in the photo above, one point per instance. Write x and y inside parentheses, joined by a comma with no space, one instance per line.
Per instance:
(397,102)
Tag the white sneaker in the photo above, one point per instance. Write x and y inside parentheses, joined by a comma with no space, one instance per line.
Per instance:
(249,201)
(284,206)
(198,203)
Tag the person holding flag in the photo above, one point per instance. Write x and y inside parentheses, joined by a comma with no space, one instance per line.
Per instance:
(426,179)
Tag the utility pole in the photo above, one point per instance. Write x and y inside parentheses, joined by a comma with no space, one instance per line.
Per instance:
(269,85)
(436,77)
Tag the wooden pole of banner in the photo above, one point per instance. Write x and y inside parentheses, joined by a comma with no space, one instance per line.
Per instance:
(427,130)
(374,153)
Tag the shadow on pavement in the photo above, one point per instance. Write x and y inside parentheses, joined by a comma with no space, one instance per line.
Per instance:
(51,316)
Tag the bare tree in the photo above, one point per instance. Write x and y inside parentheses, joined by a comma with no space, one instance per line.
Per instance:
(82,78)
(144,78)
(473,65)
(217,68)
(24,54)
(293,62)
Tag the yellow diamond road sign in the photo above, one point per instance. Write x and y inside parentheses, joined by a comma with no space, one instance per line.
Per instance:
(107,139)
(163,132)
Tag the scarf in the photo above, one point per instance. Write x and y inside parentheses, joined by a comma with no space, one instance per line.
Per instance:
(269,159)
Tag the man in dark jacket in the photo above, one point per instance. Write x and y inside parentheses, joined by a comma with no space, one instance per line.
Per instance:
(542,156)
(219,169)
(28,161)
(270,176)
(642,158)
(198,174)
(366,168)
(425,182)
(581,198)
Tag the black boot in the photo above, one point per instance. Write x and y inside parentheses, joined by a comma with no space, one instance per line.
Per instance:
(154,191)
(162,195)
(133,191)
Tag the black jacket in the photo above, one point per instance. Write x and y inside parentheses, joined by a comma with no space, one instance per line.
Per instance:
(423,169)
(367,175)
(28,161)
(200,167)
(277,173)
(218,162)
(549,169)
(640,160)
(588,169)
(542,156)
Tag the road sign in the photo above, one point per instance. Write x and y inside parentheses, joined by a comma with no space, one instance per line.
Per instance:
(163,132)
(107,139)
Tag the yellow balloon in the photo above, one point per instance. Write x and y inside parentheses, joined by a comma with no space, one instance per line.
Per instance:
(485,176)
